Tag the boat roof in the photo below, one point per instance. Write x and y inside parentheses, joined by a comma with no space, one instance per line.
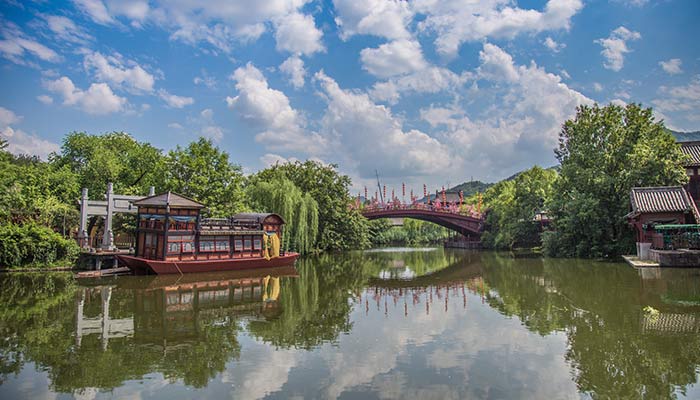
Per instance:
(257,217)
(171,199)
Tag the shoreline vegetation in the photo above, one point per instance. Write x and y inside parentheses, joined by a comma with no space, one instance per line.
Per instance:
(602,152)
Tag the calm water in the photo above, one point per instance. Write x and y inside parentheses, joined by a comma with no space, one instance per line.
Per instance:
(382,324)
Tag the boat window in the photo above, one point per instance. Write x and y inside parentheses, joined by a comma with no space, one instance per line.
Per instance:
(257,244)
(247,243)
(207,245)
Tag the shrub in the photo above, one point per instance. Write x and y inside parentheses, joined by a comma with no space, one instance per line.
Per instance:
(34,245)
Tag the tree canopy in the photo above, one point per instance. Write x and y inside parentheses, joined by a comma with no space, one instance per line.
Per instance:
(604,152)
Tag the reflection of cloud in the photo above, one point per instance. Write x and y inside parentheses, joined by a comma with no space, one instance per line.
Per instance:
(267,371)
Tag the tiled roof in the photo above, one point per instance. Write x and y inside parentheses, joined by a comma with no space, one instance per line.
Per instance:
(693,150)
(171,199)
(662,199)
(256,217)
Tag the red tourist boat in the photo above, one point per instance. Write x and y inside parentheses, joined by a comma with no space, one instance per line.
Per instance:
(173,238)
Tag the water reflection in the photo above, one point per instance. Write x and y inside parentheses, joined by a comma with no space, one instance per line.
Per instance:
(390,324)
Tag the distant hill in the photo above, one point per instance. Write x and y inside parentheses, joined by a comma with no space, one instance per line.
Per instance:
(470,188)
(686,136)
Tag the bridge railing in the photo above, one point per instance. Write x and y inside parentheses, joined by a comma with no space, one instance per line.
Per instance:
(466,210)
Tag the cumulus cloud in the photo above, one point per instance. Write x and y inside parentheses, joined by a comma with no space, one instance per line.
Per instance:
(98,99)
(174,101)
(520,129)
(428,80)
(20,142)
(114,69)
(459,21)
(394,58)
(45,99)
(279,126)
(65,29)
(553,45)
(369,137)
(96,10)
(297,33)
(672,66)
(381,18)
(16,46)
(680,104)
(615,47)
(293,67)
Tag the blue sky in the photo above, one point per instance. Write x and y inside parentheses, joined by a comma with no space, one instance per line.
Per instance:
(423,91)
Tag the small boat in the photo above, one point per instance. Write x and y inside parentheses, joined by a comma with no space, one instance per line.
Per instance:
(173,238)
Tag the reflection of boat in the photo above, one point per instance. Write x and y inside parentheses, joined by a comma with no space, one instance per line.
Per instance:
(172,238)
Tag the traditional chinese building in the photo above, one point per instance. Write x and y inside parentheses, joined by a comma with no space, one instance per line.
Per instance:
(660,206)
(692,168)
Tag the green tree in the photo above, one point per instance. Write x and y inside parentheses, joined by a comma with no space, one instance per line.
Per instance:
(114,157)
(340,228)
(604,152)
(281,196)
(512,205)
(203,171)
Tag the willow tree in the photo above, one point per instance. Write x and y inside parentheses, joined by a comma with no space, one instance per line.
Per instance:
(281,196)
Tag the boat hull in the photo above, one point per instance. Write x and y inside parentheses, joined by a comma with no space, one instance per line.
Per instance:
(142,266)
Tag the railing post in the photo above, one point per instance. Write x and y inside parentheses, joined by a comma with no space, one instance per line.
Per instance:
(108,235)
(83,240)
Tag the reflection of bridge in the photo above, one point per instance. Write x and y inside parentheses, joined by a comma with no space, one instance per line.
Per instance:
(434,289)
(468,224)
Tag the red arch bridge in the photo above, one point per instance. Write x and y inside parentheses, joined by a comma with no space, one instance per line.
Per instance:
(468,224)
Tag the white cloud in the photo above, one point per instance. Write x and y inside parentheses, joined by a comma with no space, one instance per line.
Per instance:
(459,21)
(268,111)
(45,99)
(615,47)
(368,137)
(681,104)
(428,80)
(15,46)
(175,125)
(113,69)
(206,80)
(7,117)
(98,99)
(135,10)
(383,18)
(394,58)
(20,142)
(553,45)
(672,66)
(520,128)
(64,28)
(293,67)
(174,101)
(96,10)
(298,34)
(597,87)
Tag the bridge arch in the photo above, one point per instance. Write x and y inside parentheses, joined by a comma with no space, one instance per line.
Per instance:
(464,224)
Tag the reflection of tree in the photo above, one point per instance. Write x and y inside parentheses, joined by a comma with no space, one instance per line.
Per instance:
(419,262)
(598,305)
(315,307)
(34,318)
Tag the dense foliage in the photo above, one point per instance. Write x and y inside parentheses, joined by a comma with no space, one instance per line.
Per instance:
(412,232)
(300,210)
(340,228)
(203,172)
(34,245)
(512,206)
(604,152)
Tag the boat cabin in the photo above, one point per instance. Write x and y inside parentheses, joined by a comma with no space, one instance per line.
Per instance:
(170,227)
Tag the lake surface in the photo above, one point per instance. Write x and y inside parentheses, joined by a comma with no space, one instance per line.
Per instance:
(395,323)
